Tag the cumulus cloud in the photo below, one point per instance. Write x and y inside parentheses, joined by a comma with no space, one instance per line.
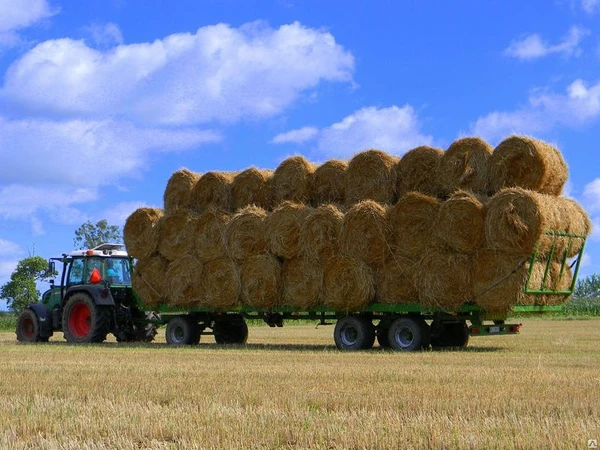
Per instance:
(17,15)
(532,46)
(590,6)
(591,195)
(118,214)
(105,35)
(296,136)
(544,110)
(220,73)
(394,129)
(8,248)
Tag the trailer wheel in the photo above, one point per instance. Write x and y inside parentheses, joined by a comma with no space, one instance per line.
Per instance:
(231,330)
(408,334)
(28,327)
(85,322)
(354,333)
(450,334)
(182,330)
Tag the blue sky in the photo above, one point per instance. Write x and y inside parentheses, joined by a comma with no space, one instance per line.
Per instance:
(100,101)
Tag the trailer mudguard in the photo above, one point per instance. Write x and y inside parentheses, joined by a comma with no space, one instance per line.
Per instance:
(44,318)
(100,294)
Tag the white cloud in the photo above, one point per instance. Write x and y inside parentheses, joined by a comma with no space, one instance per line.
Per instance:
(590,6)
(118,214)
(532,46)
(106,35)
(298,136)
(591,195)
(17,15)
(579,105)
(219,73)
(8,248)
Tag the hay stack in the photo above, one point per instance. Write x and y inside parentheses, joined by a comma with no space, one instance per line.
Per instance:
(141,232)
(245,233)
(396,281)
(182,281)
(260,278)
(176,235)
(291,180)
(213,190)
(365,233)
(220,284)
(465,165)
(178,192)
(209,235)
(418,171)
(251,187)
(371,175)
(519,161)
(302,283)
(283,227)
(460,222)
(328,183)
(148,280)
(348,284)
(320,233)
(411,222)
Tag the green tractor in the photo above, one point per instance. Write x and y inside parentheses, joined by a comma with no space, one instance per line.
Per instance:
(94,298)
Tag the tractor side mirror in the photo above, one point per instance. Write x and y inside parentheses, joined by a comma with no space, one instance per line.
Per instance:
(51,267)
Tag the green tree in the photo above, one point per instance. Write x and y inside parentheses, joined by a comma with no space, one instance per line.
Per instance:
(22,288)
(588,287)
(91,235)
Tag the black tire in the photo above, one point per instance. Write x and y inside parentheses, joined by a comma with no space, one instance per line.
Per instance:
(408,334)
(354,333)
(83,321)
(28,327)
(450,334)
(182,330)
(231,330)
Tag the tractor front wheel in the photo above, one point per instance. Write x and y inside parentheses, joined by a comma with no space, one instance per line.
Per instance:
(28,327)
(84,322)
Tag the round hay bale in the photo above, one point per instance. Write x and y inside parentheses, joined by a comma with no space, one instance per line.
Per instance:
(245,233)
(411,222)
(221,284)
(348,284)
(291,180)
(418,171)
(251,187)
(465,165)
(176,235)
(141,232)
(178,192)
(320,233)
(519,161)
(328,183)
(396,281)
(460,222)
(302,283)
(183,281)
(371,175)
(560,282)
(148,280)
(213,189)
(283,227)
(365,233)
(209,235)
(444,279)
(261,284)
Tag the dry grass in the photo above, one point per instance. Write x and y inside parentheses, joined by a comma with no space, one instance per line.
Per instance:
(289,388)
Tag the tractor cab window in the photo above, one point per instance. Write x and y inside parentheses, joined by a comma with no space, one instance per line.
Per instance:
(76,271)
(117,270)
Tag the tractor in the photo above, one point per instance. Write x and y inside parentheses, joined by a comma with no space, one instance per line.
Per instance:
(94,298)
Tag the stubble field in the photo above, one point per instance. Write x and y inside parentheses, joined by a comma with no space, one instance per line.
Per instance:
(290,388)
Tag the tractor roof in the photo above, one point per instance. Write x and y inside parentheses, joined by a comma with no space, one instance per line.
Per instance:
(106,250)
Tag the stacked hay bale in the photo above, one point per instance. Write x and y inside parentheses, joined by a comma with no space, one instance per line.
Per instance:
(438,228)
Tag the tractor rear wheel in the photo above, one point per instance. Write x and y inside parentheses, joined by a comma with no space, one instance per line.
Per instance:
(28,327)
(232,329)
(182,330)
(84,322)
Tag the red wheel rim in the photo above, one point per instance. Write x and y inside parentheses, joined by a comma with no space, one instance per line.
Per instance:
(80,320)
(27,328)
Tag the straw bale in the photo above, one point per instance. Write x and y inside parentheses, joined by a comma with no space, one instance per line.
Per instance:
(320,233)
(283,227)
(418,171)
(348,284)
(365,233)
(141,232)
(183,281)
(396,281)
(148,280)
(465,165)
(208,235)
(251,187)
(444,279)
(177,235)
(371,175)
(291,180)
(328,183)
(460,222)
(213,189)
(411,222)
(519,161)
(261,283)
(302,283)
(178,192)
(221,284)
(245,234)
